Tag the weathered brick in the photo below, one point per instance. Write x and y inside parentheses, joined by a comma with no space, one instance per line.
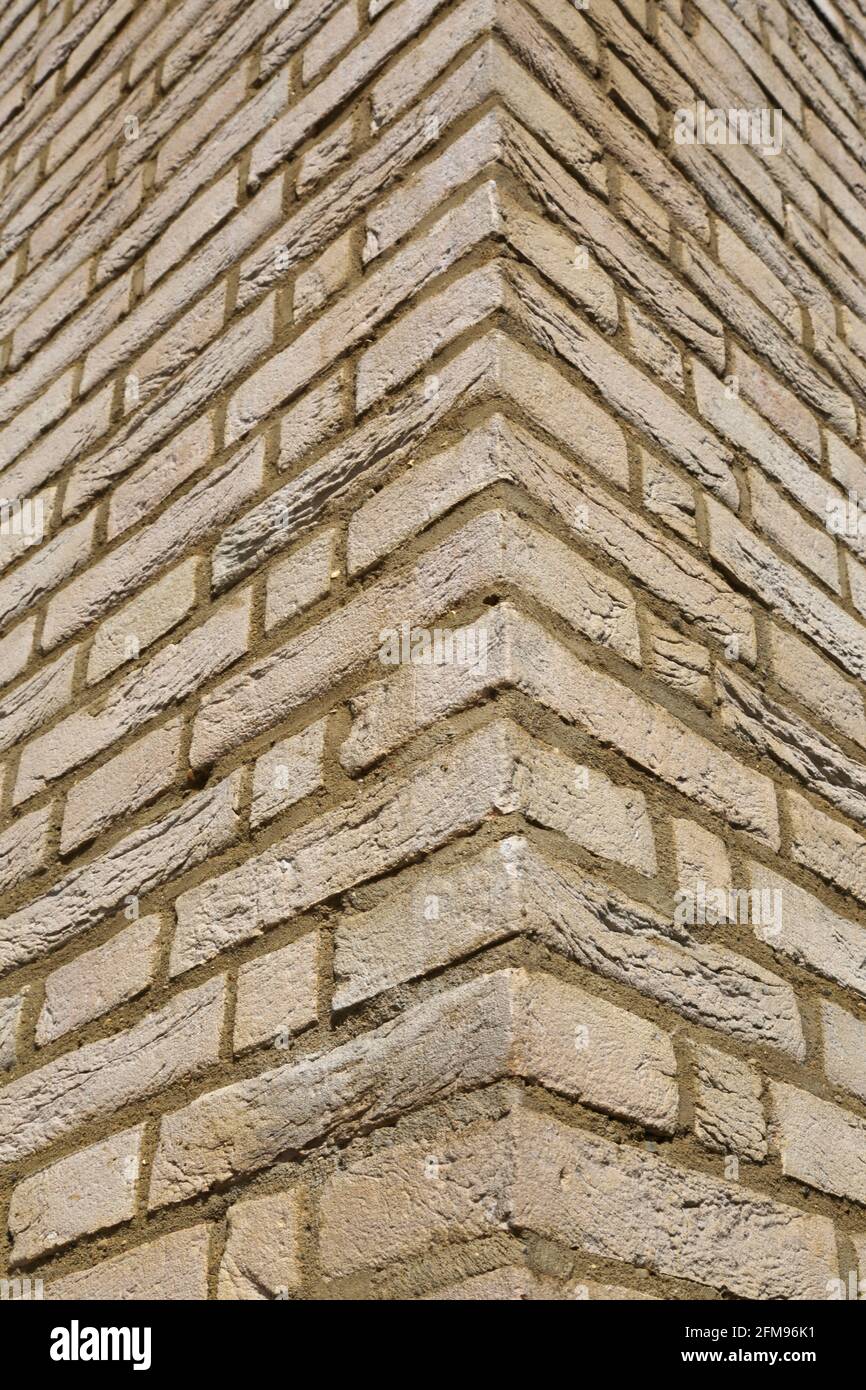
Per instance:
(784,590)
(300,580)
(155,479)
(15,650)
(682,664)
(525,656)
(128,781)
(804,674)
(729,1116)
(812,933)
(196,222)
(325,156)
(617,1202)
(568,1185)
(179,528)
(278,994)
(204,824)
(171,1267)
(11,1006)
(335,35)
(328,274)
(262,1256)
(354,315)
(491,548)
(92,1190)
(782,523)
(174,672)
(701,857)
(160,608)
(820,1143)
(289,771)
(177,1041)
(844,1049)
(36,699)
(376,1077)
(667,495)
(386,825)
(827,846)
(99,980)
(47,568)
(24,846)
(174,351)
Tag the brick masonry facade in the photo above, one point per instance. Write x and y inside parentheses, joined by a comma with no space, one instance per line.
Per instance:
(432,648)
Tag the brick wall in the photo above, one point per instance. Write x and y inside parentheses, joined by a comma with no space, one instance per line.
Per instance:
(531,964)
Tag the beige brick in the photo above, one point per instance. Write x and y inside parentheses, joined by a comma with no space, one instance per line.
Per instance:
(129,566)
(332,38)
(179,288)
(179,1040)
(206,823)
(386,825)
(819,1143)
(783,525)
(98,980)
(174,351)
(785,591)
(701,857)
(619,1203)
(278,994)
(376,1077)
(128,781)
(74,436)
(441,917)
(36,699)
(300,580)
(174,672)
(144,431)
(15,650)
(844,1049)
(328,274)
(160,608)
(729,1116)
(632,93)
(24,846)
(317,416)
(171,1267)
(289,771)
(353,316)
(742,262)
(10,1019)
(188,229)
(808,677)
(779,405)
(262,1256)
(608,1199)
(187,136)
(92,1190)
(47,567)
(827,846)
(155,479)
(654,348)
(324,157)
(641,210)
(813,933)
(525,656)
(682,664)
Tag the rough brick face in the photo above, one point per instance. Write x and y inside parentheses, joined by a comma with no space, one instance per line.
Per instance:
(432,645)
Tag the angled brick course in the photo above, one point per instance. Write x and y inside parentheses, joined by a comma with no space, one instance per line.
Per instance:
(432,646)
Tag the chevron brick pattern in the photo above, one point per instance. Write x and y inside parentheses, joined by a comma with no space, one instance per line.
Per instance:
(432,650)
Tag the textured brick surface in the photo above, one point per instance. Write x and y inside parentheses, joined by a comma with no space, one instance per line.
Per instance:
(432,645)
